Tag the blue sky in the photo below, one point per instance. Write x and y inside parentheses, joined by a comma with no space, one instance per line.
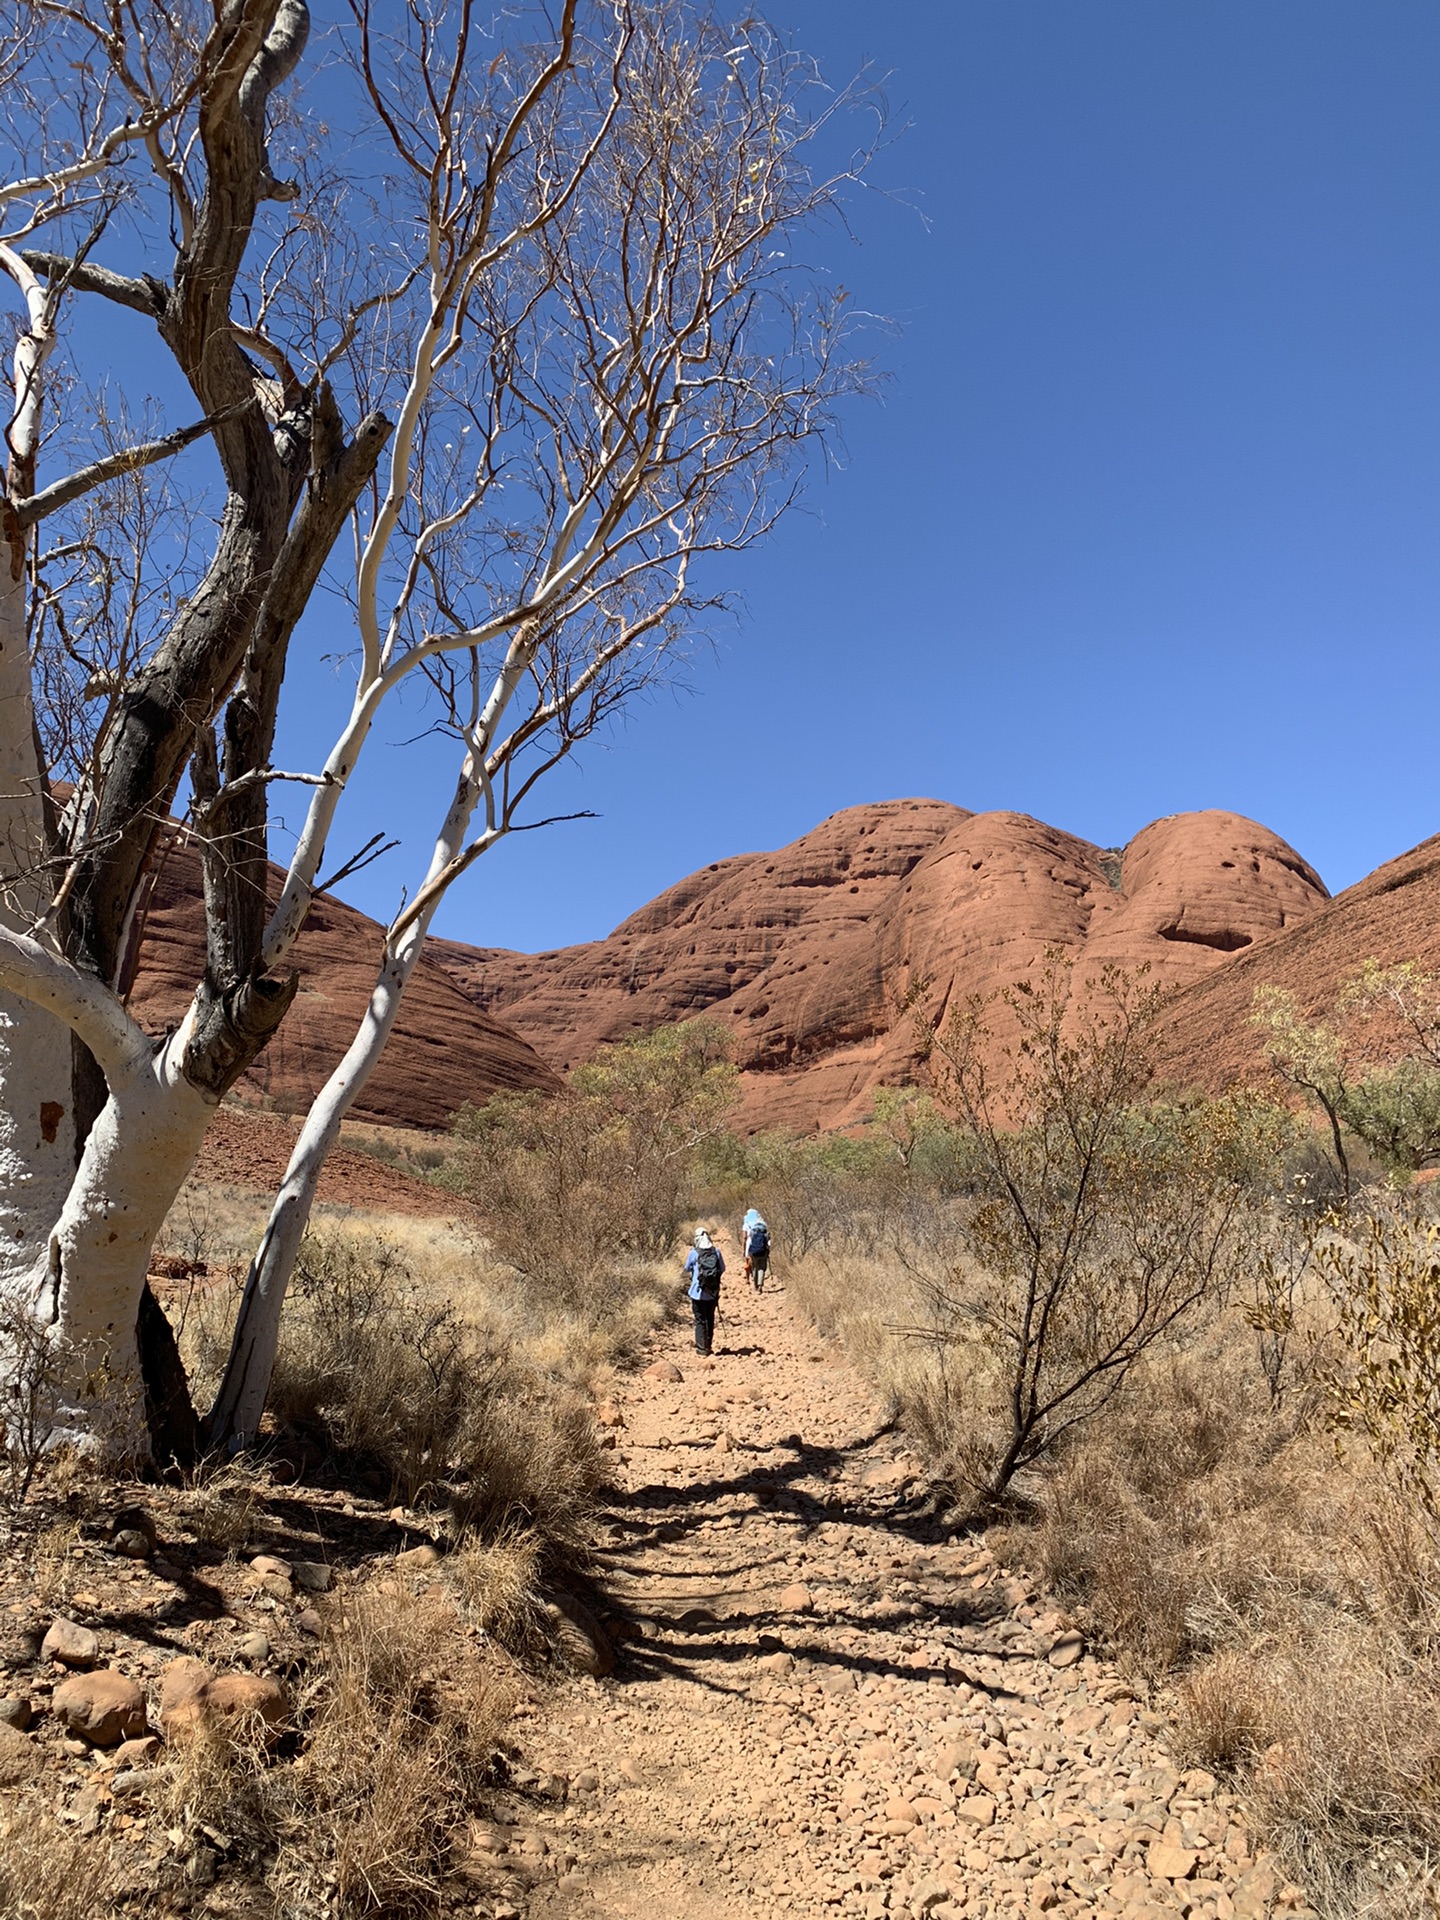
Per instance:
(1146,519)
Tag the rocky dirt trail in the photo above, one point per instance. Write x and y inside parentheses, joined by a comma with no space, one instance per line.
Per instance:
(824,1704)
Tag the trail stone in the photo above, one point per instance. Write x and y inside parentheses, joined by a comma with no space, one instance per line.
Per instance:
(313,1575)
(664,1370)
(71,1644)
(136,1753)
(253,1647)
(775,1663)
(796,1598)
(1067,1649)
(138,1780)
(103,1707)
(310,1622)
(235,1699)
(631,1771)
(131,1544)
(1170,1863)
(16,1711)
(976,1810)
(190,1695)
(900,1812)
(182,1681)
(264,1563)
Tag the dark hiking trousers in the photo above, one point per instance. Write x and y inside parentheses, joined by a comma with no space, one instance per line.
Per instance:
(704,1324)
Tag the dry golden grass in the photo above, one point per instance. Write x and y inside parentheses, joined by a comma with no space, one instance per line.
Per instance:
(499,1582)
(49,1874)
(401,1725)
(1273,1591)
(401,1745)
(443,1379)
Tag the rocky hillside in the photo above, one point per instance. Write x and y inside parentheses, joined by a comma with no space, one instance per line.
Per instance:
(1392,915)
(445,1050)
(806,953)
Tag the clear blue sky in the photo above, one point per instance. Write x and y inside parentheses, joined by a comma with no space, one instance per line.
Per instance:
(1147,519)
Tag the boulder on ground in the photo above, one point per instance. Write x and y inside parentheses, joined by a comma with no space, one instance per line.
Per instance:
(425,1555)
(664,1370)
(71,1644)
(234,1704)
(103,1707)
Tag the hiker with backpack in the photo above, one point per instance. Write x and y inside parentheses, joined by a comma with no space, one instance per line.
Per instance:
(704,1264)
(755,1245)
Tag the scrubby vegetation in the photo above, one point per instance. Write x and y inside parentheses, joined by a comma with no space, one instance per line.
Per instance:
(1146,1342)
(1177,1357)
(578,1189)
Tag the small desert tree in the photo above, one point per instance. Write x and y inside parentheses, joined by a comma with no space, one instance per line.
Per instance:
(525,316)
(1099,1218)
(571,1183)
(1373,1069)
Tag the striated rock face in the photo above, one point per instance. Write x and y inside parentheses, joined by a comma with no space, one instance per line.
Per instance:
(1392,915)
(445,1050)
(807,953)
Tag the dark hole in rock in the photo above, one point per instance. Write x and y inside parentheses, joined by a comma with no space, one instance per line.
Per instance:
(1227,940)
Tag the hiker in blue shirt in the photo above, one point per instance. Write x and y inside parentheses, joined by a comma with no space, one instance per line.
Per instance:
(704,1265)
(755,1245)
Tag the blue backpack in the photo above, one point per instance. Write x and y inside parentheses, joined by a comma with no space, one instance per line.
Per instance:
(760,1241)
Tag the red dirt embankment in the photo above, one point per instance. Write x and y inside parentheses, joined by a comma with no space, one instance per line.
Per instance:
(249,1150)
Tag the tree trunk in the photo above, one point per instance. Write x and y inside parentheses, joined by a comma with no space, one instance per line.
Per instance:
(90,1287)
(234,1420)
(37,1124)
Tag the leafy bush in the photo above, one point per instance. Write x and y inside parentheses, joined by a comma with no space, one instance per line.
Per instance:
(569,1184)
(1373,1069)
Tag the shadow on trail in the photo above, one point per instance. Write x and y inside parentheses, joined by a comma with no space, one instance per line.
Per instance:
(686,1640)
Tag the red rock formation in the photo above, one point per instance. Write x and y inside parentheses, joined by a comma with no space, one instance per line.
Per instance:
(1393,915)
(806,953)
(445,1049)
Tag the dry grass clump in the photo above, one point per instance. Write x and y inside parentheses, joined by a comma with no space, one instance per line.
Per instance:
(49,1874)
(1283,1600)
(401,1746)
(499,1582)
(400,1732)
(414,1397)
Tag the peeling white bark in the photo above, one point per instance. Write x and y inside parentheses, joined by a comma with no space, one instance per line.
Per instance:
(37,1126)
(87,1290)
